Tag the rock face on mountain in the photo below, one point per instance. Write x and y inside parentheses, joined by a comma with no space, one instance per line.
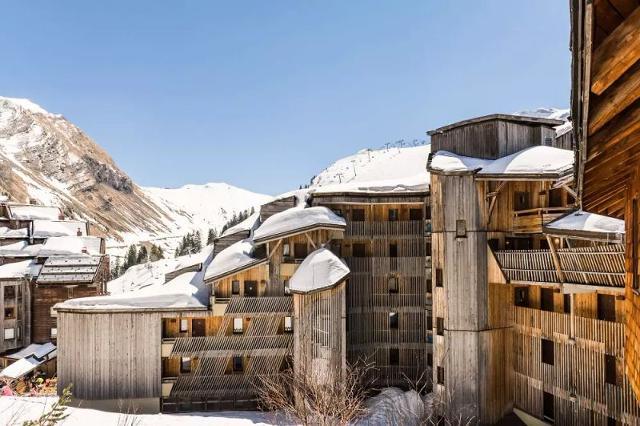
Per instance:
(47,160)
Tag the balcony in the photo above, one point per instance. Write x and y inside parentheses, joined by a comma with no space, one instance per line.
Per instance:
(277,305)
(220,346)
(530,221)
(380,266)
(387,229)
(598,266)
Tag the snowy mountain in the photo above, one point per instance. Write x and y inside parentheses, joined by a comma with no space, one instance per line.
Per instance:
(46,159)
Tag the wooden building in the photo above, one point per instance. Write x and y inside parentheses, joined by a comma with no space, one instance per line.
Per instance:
(605,41)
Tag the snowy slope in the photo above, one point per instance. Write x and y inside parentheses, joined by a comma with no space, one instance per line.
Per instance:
(47,159)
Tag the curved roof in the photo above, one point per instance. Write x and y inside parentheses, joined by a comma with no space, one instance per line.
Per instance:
(296,220)
(320,270)
(235,258)
(581,224)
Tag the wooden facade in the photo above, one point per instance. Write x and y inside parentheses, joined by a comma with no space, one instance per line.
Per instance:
(606,111)
(387,247)
(15,319)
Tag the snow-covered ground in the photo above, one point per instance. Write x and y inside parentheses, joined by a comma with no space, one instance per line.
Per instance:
(15,410)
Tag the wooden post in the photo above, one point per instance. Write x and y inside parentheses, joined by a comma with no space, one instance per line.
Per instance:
(556,260)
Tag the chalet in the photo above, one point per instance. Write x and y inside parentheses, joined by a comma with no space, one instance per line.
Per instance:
(606,112)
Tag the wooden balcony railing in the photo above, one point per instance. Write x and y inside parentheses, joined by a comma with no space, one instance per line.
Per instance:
(531,220)
(600,265)
(385,229)
(277,305)
(214,346)
(408,266)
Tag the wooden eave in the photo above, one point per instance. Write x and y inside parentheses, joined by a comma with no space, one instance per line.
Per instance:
(347,197)
(237,270)
(500,117)
(298,231)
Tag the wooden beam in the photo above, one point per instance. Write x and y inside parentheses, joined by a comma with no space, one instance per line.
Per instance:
(274,248)
(606,16)
(556,259)
(624,7)
(313,244)
(624,92)
(615,131)
(619,51)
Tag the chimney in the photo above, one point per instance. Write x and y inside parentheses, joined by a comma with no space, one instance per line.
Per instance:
(79,232)
(84,250)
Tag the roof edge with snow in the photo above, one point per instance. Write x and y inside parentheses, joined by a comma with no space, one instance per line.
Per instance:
(574,225)
(504,117)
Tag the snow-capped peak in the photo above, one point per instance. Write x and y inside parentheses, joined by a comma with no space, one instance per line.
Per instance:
(27,105)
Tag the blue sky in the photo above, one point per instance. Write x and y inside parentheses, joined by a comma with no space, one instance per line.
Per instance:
(264,94)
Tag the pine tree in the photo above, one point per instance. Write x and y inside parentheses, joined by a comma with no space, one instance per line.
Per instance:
(156,253)
(115,272)
(211,236)
(130,259)
(197,242)
(143,255)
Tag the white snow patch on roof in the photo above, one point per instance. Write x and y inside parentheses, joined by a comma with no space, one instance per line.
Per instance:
(541,160)
(319,270)
(29,212)
(385,170)
(585,221)
(71,245)
(20,249)
(13,233)
(547,112)
(37,349)
(58,228)
(448,162)
(29,359)
(297,218)
(235,257)
(22,269)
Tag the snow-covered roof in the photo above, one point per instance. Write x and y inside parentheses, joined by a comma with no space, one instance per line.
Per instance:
(295,220)
(28,359)
(537,162)
(185,292)
(249,224)
(392,170)
(20,249)
(24,268)
(13,233)
(71,245)
(235,258)
(31,212)
(320,270)
(581,224)
(58,228)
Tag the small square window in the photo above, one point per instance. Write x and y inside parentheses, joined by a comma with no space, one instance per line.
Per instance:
(461,228)
(288,324)
(9,333)
(392,283)
(393,250)
(238,325)
(546,299)
(610,373)
(606,307)
(184,325)
(415,214)
(440,375)
(338,212)
(393,320)
(358,250)
(357,215)
(300,250)
(429,359)
(394,356)
(521,296)
(9,313)
(235,287)
(439,278)
(547,351)
(54,332)
(287,290)
(185,364)
(238,364)
(393,215)
(10,292)
(566,302)
(429,323)
(440,326)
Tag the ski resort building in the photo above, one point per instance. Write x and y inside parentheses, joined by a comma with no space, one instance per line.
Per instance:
(528,290)
(606,110)
(314,280)
(44,260)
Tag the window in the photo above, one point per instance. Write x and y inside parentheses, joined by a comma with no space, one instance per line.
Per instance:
(521,296)
(520,200)
(393,320)
(494,244)
(9,292)
(235,287)
(440,326)
(546,299)
(429,323)
(184,325)
(288,324)
(394,356)
(359,250)
(185,364)
(357,215)
(286,250)
(428,212)
(611,421)
(198,328)
(606,307)
(9,313)
(238,364)
(415,214)
(439,279)
(251,288)
(393,250)
(610,373)
(9,333)
(393,215)
(392,284)
(440,375)
(287,290)
(547,351)
(547,406)
(461,228)
(54,332)
(238,326)
(338,212)
(429,359)
(300,250)
(429,285)
(566,302)
(517,243)
(555,198)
